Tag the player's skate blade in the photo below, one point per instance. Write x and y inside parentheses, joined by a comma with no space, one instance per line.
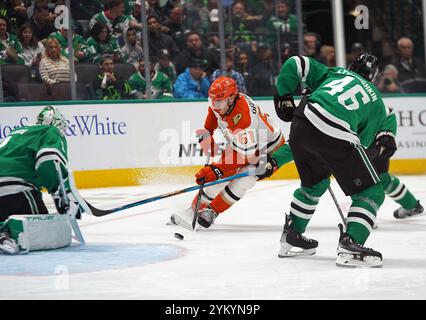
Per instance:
(293,243)
(353,254)
(402,213)
(287,251)
(349,260)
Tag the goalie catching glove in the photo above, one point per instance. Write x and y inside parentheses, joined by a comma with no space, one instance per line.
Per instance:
(284,107)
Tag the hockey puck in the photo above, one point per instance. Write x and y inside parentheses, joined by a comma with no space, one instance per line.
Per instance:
(178,236)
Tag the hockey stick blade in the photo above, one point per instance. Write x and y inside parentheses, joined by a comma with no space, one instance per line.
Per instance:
(99,212)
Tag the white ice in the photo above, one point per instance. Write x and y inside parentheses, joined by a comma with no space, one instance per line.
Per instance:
(235,259)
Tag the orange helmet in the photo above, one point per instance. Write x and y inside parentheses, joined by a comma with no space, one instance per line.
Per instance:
(222,88)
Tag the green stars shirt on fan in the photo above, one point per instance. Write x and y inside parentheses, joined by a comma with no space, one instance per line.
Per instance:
(27,158)
(161,85)
(343,104)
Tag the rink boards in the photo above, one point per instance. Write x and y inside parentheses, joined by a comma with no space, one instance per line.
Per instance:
(118,144)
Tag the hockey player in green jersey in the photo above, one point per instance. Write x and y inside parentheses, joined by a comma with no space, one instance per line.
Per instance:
(325,139)
(27,164)
(392,186)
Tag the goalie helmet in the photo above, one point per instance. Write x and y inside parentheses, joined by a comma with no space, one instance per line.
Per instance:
(366,65)
(222,93)
(50,116)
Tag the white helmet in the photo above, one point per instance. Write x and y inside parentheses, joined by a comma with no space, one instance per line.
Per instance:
(50,116)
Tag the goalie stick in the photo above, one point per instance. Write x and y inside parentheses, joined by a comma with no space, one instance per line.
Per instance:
(99,212)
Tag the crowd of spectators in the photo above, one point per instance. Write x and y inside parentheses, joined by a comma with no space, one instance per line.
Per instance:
(184,54)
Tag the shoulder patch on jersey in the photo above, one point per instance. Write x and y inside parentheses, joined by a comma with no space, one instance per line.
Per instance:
(237,118)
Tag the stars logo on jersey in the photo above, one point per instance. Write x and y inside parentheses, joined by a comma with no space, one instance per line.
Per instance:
(237,118)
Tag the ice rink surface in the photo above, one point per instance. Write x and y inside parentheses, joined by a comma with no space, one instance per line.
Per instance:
(134,255)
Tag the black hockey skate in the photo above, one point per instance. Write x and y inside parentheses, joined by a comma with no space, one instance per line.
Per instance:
(7,244)
(207,217)
(352,254)
(294,243)
(402,213)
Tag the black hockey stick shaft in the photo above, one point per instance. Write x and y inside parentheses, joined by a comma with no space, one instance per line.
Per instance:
(337,205)
(200,192)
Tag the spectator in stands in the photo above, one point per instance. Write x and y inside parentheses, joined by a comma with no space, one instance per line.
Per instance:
(242,24)
(131,52)
(82,51)
(262,74)
(85,10)
(41,23)
(155,10)
(409,67)
(203,12)
(388,82)
(173,27)
(283,21)
(170,5)
(33,50)
(195,51)
(113,9)
(161,86)
(192,84)
(16,11)
(329,55)
(356,50)
(158,40)
(312,44)
(286,52)
(102,42)
(232,73)
(125,21)
(10,48)
(166,66)
(54,67)
(107,85)
(242,65)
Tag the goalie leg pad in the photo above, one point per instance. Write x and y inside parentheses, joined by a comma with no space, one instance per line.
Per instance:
(40,232)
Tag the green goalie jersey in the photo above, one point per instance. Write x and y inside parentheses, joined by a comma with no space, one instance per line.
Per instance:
(343,104)
(26,159)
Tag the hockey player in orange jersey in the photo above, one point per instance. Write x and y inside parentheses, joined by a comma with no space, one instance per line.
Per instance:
(251,137)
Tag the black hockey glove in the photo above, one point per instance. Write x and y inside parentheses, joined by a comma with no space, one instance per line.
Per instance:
(284,107)
(266,169)
(60,204)
(386,145)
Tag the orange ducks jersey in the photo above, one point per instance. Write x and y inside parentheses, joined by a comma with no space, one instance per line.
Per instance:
(247,132)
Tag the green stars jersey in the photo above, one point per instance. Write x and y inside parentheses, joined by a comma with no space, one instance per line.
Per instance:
(79,43)
(97,49)
(11,42)
(102,18)
(26,159)
(161,85)
(343,104)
